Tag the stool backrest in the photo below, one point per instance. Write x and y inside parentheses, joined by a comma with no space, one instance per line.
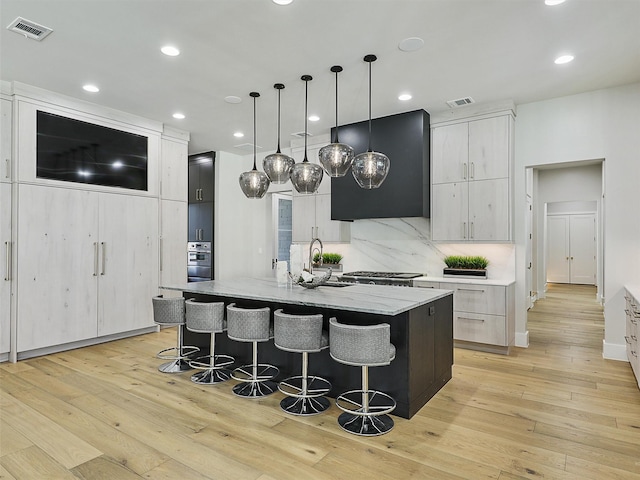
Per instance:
(205,317)
(363,345)
(297,333)
(248,324)
(167,311)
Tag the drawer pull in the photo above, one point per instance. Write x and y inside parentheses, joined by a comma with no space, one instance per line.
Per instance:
(470,290)
(472,319)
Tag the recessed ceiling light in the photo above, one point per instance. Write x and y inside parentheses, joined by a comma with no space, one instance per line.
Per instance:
(238,134)
(91,88)
(411,44)
(282,2)
(314,118)
(563,59)
(170,51)
(178,115)
(404,97)
(232,99)
(552,3)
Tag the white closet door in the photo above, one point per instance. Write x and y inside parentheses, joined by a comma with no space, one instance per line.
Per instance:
(582,249)
(558,249)
(128,267)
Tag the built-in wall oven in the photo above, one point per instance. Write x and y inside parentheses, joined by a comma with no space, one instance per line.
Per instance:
(199,261)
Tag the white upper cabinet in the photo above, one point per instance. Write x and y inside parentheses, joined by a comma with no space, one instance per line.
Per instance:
(174,168)
(471,179)
(5,140)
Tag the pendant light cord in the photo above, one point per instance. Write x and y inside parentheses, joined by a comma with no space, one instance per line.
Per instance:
(278,151)
(254,133)
(337,141)
(306,95)
(369,150)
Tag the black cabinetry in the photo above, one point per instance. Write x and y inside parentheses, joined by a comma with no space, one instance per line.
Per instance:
(201,196)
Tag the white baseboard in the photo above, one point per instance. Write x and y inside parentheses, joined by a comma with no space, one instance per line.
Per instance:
(522,339)
(614,351)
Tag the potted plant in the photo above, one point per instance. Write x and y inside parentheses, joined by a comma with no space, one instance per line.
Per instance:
(328,260)
(465,266)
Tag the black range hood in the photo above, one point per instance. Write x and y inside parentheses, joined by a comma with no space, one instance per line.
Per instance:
(404,138)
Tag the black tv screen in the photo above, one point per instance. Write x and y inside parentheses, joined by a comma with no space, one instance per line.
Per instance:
(76,151)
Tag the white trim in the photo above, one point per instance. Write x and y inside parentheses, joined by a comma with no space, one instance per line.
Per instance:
(522,339)
(614,351)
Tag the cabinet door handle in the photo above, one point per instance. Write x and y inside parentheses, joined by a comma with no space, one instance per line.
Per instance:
(464,230)
(473,170)
(7,273)
(104,256)
(471,235)
(8,171)
(471,290)
(95,259)
(472,319)
(161,244)
(464,170)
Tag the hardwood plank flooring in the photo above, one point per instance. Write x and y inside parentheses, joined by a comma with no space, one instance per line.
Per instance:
(555,410)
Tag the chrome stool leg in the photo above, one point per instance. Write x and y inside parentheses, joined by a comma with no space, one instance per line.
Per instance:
(365,411)
(304,392)
(256,378)
(180,358)
(213,366)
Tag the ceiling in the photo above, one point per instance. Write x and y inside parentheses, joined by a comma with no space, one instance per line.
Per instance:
(490,50)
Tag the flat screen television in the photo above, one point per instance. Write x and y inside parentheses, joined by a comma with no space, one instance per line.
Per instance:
(75,151)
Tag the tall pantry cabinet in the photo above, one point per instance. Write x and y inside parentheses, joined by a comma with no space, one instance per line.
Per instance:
(5,224)
(86,256)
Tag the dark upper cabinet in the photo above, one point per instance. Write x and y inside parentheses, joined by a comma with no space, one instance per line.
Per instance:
(201,195)
(201,177)
(404,138)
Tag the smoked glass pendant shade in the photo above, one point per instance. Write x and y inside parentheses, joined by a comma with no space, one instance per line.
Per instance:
(306,176)
(254,184)
(278,166)
(336,158)
(370,168)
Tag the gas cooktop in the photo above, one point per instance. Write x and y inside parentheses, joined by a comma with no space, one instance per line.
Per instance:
(382,274)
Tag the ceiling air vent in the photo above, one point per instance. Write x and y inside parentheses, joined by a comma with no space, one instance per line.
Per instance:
(301,134)
(29,29)
(460,102)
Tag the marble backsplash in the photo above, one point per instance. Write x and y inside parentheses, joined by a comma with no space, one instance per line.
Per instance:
(404,245)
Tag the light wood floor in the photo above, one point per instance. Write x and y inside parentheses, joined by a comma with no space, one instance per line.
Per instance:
(556,410)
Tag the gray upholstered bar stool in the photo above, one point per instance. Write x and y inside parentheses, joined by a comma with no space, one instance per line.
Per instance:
(169,312)
(302,334)
(252,325)
(208,318)
(365,411)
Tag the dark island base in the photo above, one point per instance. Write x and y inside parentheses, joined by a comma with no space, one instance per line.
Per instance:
(423,338)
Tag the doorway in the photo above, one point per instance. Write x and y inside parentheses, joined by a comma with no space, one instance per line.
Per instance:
(571,248)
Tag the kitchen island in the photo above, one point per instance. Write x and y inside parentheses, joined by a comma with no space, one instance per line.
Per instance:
(421,329)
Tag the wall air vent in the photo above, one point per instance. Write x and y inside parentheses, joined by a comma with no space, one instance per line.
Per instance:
(460,102)
(29,29)
(301,134)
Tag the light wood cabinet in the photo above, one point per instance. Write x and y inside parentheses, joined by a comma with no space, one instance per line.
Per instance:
(471,180)
(5,267)
(5,140)
(632,311)
(311,214)
(88,264)
(174,168)
(483,315)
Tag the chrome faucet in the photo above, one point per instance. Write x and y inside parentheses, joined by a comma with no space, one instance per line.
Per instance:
(312,251)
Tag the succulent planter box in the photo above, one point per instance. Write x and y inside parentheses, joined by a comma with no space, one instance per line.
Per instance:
(464,272)
(335,267)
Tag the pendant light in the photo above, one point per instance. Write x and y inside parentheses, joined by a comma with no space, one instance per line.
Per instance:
(370,168)
(254,184)
(336,158)
(278,166)
(306,176)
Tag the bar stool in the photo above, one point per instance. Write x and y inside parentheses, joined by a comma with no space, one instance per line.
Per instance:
(252,325)
(208,318)
(302,334)
(169,312)
(365,411)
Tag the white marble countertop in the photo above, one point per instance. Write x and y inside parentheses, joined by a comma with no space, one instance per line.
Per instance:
(474,281)
(634,290)
(376,299)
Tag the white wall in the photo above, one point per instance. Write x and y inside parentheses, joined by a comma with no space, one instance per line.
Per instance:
(604,124)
